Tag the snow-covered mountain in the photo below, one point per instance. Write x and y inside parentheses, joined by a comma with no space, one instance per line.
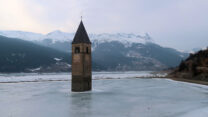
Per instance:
(63,36)
(58,39)
(120,51)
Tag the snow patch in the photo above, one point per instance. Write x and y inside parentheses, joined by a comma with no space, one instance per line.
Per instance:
(36,69)
(57,59)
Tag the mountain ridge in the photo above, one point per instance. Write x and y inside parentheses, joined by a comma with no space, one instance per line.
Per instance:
(195,67)
(120,51)
(22,56)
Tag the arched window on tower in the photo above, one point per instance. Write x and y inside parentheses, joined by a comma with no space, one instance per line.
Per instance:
(87,50)
(77,50)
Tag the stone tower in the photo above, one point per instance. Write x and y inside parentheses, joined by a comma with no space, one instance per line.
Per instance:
(81,61)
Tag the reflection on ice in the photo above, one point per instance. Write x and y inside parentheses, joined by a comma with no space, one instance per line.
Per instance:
(80,104)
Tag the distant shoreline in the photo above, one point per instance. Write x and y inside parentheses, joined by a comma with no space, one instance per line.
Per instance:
(190,81)
(180,79)
(162,75)
(175,79)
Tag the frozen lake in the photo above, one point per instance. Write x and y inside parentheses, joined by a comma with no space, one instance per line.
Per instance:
(124,97)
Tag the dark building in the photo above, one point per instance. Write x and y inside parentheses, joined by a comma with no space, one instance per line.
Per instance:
(81,61)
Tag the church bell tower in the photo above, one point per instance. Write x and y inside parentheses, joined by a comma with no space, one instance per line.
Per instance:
(81,61)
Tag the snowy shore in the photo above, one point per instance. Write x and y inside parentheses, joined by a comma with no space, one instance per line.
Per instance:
(34,77)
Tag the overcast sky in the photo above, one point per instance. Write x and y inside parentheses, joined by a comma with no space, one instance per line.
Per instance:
(181,24)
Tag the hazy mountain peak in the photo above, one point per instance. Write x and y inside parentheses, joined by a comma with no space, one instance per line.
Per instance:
(58,35)
(57,32)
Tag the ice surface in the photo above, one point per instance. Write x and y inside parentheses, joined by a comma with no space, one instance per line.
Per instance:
(126,97)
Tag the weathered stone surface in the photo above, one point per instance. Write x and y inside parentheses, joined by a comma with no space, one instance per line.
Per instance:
(80,83)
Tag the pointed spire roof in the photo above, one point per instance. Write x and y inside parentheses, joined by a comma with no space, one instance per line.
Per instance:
(81,35)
